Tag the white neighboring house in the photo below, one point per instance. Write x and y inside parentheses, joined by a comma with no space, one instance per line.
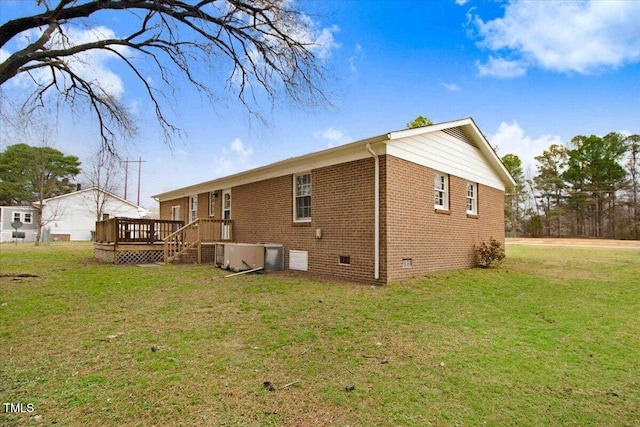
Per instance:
(71,216)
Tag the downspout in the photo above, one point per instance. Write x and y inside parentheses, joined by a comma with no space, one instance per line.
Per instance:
(376,231)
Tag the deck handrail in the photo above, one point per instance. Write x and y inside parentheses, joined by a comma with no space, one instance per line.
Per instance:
(199,231)
(134,230)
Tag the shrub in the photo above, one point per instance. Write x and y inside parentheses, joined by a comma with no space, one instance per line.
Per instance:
(487,253)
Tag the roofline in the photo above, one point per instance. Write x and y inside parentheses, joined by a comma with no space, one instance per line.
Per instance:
(91,189)
(483,143)
(266,171)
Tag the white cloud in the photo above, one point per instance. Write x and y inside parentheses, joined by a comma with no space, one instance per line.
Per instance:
(134,107)
(305,30)
(451,87)
(234,158)
(238,147)
(461,2)
(333,136)
(318,41)
(501,68)
(90,65)
(570,36)
(324,43)
(357,54)
(510,138)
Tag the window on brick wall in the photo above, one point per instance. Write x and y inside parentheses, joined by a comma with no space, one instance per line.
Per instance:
(212,203)
(193,208)
(226,204)
(175,213)
(472,198)
(441,191)
(302,197)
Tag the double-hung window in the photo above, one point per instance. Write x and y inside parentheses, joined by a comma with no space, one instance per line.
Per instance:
(302,197)
(193,208)
(212,203)
(24,217)
(441,191)
(472,198)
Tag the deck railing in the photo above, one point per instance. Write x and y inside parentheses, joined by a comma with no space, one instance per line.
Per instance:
(132,230)
(202,230)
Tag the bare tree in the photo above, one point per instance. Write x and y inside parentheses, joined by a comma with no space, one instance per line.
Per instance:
(261,47)
(103,174)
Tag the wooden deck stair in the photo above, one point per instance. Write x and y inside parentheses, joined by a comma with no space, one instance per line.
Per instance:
(186,256)
(185,245)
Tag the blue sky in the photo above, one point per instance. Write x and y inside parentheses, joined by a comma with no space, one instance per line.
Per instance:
(530,73)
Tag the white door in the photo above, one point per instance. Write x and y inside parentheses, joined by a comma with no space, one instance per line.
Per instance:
(226,214)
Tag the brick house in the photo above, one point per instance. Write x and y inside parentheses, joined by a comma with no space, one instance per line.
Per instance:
(383,209)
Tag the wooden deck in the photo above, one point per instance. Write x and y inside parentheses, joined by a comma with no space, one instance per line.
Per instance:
(138,241)
(132,230)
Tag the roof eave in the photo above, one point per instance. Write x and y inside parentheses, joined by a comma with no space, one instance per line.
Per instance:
(262,172)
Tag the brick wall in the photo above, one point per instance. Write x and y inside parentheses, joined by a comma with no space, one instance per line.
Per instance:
(165,208)
(434,241)
(342,208)
(203,207)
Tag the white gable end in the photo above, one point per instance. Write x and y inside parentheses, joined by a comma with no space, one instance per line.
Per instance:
(444,152)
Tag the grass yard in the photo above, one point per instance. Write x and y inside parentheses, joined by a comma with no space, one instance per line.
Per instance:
(552,337)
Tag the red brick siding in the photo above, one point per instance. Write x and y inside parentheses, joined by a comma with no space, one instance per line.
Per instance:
(165,208)
(203,207)
(342,208)
(434,241)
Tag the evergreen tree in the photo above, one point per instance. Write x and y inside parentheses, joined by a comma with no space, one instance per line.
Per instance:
(28,175)
(551,186)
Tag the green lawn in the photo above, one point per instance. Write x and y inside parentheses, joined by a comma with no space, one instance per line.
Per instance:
(551,337)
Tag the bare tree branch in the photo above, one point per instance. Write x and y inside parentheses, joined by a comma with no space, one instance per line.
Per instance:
(263,46)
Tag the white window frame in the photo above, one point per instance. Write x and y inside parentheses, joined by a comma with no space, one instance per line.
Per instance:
(212,203)
(24,217)
(175,213)
(226,210)
(472,198)
(296,218)
(193,208)
(441,191)
(17,216)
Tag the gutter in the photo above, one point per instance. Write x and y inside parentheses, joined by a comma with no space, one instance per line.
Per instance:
(376,231)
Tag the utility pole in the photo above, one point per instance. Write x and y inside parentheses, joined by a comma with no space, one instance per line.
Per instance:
(139,171)
(126,175)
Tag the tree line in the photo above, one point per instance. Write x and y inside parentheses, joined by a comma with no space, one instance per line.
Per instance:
(588,188)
